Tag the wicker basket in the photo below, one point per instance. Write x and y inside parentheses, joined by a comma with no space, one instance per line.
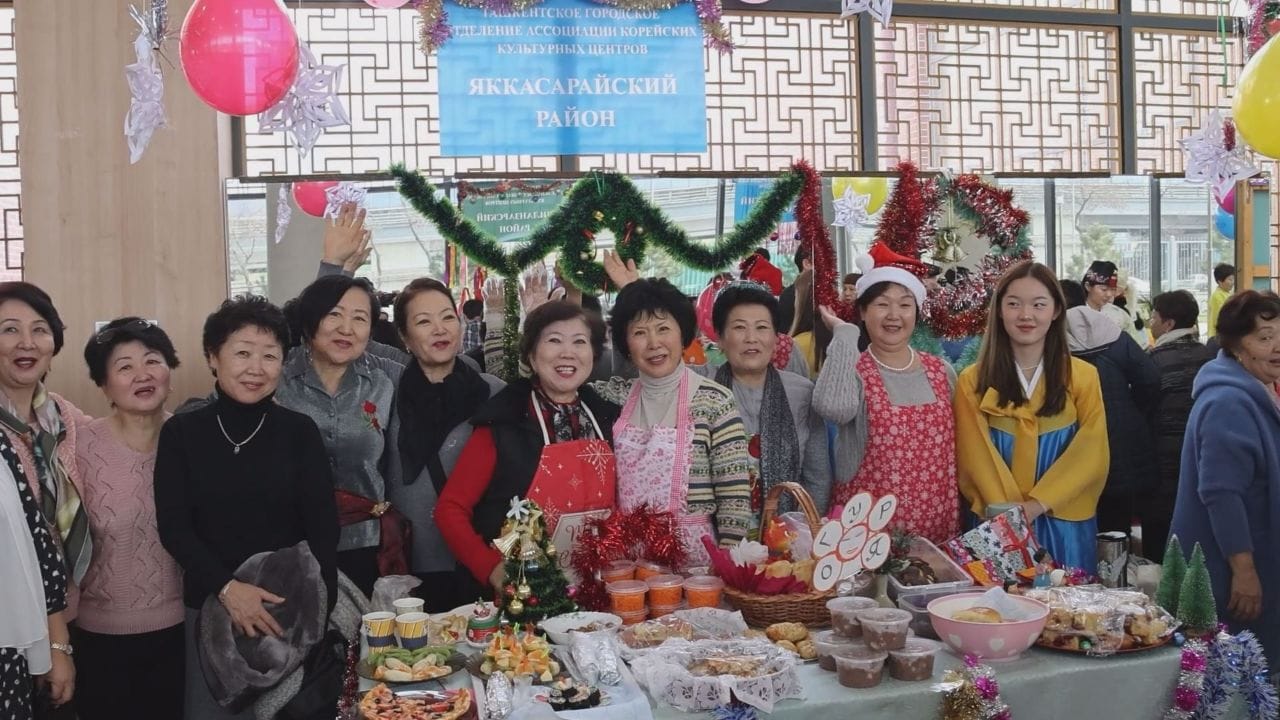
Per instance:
(808,608)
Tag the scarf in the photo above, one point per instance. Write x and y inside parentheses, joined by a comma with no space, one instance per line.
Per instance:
(429,411)
(779,446)
(659,398)
(24,624)
(59,500)
(1175,335)
(568,420)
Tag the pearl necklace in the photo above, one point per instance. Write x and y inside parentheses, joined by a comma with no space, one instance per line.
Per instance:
(904,368)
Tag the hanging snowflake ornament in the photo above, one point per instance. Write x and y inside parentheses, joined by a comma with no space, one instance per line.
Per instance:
(881,10)
(284,211)
(851,210)
(146,104)
(153,21)
(342,194)
(310,106)
(1216,155)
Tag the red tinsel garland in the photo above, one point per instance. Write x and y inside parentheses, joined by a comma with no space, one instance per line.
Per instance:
(639,534)
(907,223)
(815,238)
(349,698)
(998,218)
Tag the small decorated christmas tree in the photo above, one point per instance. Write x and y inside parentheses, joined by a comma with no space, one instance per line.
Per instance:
(1172,572)
(1196,607)
(536,587)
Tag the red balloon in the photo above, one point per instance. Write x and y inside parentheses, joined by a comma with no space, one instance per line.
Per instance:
(706,302)
(1227,203)
(310,196)
(240,56)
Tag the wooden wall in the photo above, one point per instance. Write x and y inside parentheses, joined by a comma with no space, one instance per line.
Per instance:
(103,237)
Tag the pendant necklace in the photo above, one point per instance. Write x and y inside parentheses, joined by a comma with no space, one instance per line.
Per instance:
(237,445)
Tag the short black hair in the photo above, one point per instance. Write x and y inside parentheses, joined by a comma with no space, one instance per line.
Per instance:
(1240,315)
(801,255)
(473,309)
(591,303)
(1074,293)
(554,311)
(321,296)
(240,312)
(1222,271)
(412,290)
(743,294)
(1180,306)
(763,252)
(1101,268)
(652,296)
(97,352)
(869,295)
(852,279)
(39,301)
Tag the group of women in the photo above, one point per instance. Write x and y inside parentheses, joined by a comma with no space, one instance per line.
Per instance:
(130,524)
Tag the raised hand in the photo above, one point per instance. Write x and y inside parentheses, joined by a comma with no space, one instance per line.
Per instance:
(535,289)
(494,298)
(829,317)
(354,262)
(344,235)
(620,273)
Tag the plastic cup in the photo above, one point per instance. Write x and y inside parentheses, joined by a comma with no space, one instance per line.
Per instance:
(698,571)
(914,661)
(627,596)
(618,570)
(379,629)
(703,591)
(665,590)
(828,643)
(646,569)
(634,616)
(844,614)
(408,605)
(884,628)
(657,611)
(412,630)
(860,667)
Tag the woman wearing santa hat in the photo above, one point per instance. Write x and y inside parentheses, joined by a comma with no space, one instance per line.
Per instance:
(892,404)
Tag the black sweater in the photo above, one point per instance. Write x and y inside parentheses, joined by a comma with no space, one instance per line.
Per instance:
(216,508)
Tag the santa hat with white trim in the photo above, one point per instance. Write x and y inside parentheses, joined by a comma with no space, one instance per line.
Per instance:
(881,264)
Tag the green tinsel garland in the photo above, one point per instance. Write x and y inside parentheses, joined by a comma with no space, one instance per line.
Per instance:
(510,330)
(969,356)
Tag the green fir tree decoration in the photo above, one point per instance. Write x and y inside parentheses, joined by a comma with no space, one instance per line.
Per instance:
(1172,571)
(536,586)
(1196,608)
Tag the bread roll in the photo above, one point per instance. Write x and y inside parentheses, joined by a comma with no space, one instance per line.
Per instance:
(978,615)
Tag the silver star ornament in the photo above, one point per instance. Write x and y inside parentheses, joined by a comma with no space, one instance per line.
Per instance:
(310,106)
(851,210)
(1217,155)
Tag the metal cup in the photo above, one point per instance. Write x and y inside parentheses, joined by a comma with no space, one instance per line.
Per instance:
(1113,558)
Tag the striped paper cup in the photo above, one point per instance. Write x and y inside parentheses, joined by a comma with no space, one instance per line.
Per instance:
(379,629)
(412,629)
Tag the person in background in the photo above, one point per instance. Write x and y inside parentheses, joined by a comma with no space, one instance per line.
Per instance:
(1101,285)
(1130,385)
(1178,355)
(849,288)
(808,333)
(1030,425)
(384,330)
(1224,276)
(787,300)
(1229,489)
(473,329)
(128,635)
(239,476)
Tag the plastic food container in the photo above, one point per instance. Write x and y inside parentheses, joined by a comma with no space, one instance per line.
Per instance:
(657,611)
(884,628)
(914,661)
(703,591)
(665,590)
(860,667)
(916,602)
(627,596)
(828,643)
(950,575)
(698,571)
(635,616)
(618,570)
(646,569)
(844,614)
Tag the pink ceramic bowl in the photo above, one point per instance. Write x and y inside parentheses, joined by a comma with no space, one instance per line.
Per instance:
(989,641)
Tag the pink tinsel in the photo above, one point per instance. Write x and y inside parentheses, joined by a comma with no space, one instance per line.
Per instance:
(1193,662)
(987,688)
(1186,699)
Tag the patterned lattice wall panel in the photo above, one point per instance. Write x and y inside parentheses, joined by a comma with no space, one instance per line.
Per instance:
(10,176)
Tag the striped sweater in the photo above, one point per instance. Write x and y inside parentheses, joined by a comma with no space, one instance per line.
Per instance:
(719,466)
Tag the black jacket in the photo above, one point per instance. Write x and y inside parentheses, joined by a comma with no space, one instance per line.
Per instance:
(1178,361)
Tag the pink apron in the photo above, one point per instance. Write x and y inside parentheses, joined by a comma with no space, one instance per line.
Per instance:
(653,468)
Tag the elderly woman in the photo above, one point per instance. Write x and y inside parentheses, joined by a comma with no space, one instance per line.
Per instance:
(348,394)
(892,404)
(679,442)
(545,438)
(1229,491)
(787,440)
(239,476)
(33,630)
(129,646)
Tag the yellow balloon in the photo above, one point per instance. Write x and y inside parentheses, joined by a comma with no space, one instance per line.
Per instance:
(1256,106)
(875,188)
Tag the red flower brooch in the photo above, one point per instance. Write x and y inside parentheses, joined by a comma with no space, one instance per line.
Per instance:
(371,415)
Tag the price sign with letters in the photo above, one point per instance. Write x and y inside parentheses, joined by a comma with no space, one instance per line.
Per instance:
(857,541)
(570,528)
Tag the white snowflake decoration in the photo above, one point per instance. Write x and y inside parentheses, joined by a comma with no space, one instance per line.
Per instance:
(881,10)
(1210,160)
(310,106)
(284,212)
(146,104)
(341,194)
(851,210)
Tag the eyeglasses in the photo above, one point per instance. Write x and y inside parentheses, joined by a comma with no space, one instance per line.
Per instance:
(106,336)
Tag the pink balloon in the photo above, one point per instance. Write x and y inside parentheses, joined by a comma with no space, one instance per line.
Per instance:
(706,302)
(1227,203)
(386,4)
(240,56)
(310,197)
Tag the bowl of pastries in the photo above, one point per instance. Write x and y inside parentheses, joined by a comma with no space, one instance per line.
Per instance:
(967,623)
(1096,620)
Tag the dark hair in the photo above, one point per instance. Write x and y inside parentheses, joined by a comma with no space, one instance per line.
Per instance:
(743,294)
(554,311)
(1101,268)
(806,319)
(651,296)
(996,366)
(473,308)
(1240,316)
(1074,293)
(852,279)
(39,301)
(291,316)
(413,290)
(240,312)
(323,295)
(763,252)
(118,332)
(1222,271)
(1180,306)
(869,295)
(591,303)
(801,255)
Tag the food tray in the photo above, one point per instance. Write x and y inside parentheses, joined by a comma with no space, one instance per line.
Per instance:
(950,575)
(455,662)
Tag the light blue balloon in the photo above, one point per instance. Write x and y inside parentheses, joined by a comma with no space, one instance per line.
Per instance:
(1226,223)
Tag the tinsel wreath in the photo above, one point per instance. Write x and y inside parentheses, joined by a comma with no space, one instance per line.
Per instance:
(908,221)
(1211,675)
(640,534)
(971,692)
(815,238)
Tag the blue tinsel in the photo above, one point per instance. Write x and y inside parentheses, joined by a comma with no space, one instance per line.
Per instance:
(735,711)
(1237,665)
